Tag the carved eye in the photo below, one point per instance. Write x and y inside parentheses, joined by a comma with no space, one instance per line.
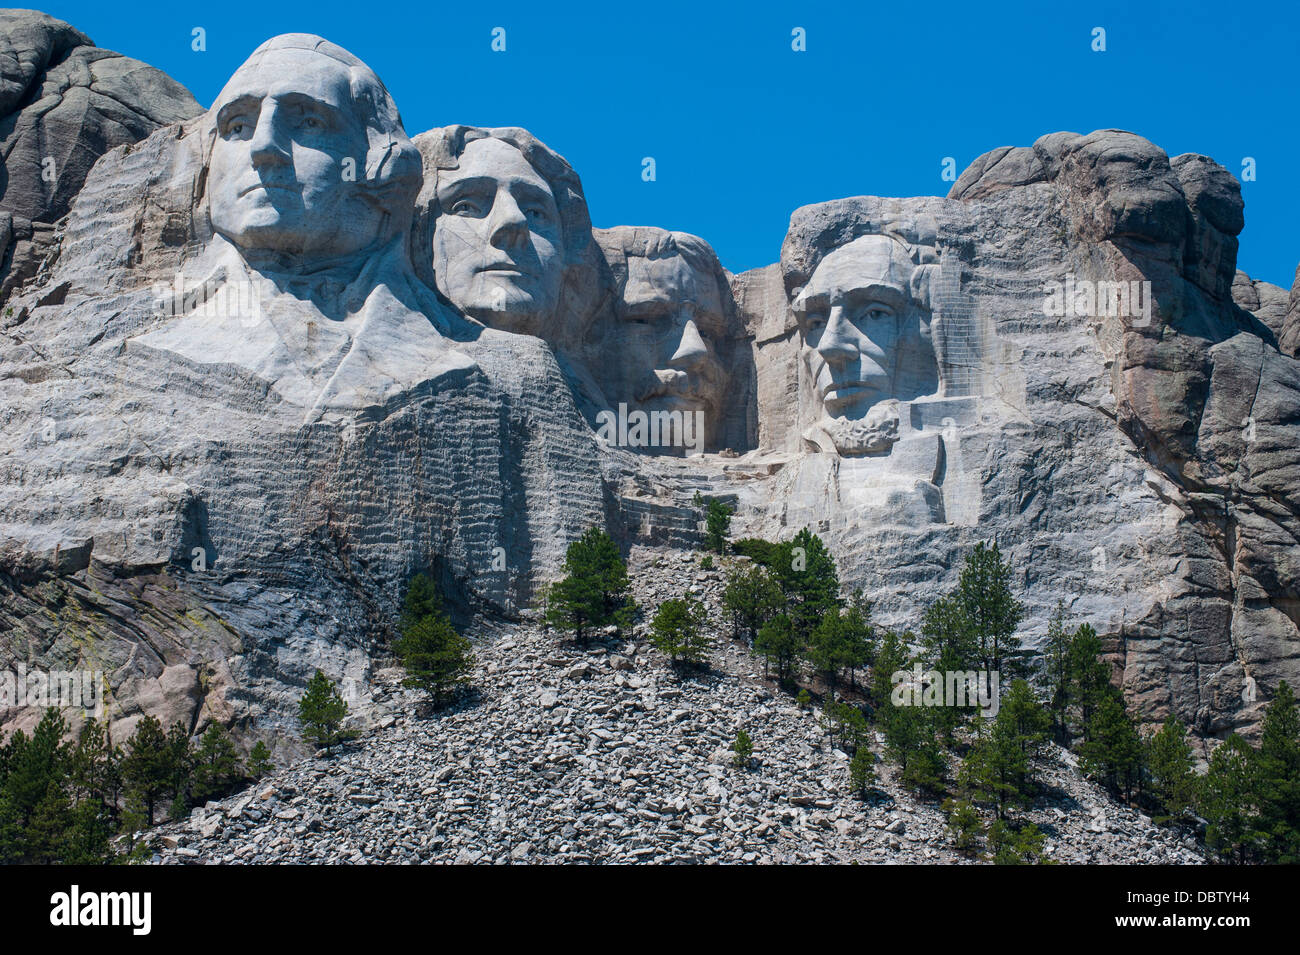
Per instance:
(877,313)
(237,128)
(814,321)
(313,123)
(465,207)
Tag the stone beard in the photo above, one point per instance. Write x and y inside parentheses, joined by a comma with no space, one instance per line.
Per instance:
(865,345)
(498,240)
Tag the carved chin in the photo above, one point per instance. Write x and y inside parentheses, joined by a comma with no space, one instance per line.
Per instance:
(874,434)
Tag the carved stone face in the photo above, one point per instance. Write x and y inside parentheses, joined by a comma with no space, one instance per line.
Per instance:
(497,243)
(670,317)
(289,151)
(861,338)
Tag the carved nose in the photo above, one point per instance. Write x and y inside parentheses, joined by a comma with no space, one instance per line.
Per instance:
(837,344)
(265,148)
(507,223)
(691,349)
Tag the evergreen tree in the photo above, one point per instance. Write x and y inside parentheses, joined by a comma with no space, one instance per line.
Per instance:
(437,659)
(1229,801)
(1016,846)
(911,742)
(964,824)
(780,648)
(984,598)
(594,589)
(1089,675)
(1056,673)
(841,641)
(862,771)
(1278,763)
(678,631)
(717,525)
(807,575)
(180,770)
(321,712)
(147,767)
(35,809)
(752,597)
(743,748)
(259,761)
(217,771)
(1111,748)
(1171,768)
(998,770)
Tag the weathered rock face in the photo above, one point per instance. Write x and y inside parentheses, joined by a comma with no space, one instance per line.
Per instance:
(247,400)
(64,103)
(251,394)
(1134,455)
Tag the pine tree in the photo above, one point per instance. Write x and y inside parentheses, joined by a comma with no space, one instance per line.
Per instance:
(910,741)
(678,631)
(180,770)
(984,598)
(1111,748)
(216,765)
(1278,763)
(862,771)
(321,712)
(1229,801)
(743,748)
(34,804)
(1089,675)
(717,525)
(147,767)
(594,590)
(964,824)
(1171,768)
(259,761)
(752,597)
(780,648)
(841,641)
(1056,673)
(808,577)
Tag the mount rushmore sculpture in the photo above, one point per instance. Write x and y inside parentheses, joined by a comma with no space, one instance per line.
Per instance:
(278,356)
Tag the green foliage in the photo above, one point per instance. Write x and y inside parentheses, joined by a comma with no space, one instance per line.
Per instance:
(743,748)
(911,741)
(594,589)
(259,761)
(862,771)
(1013,845)
(321,712)
(1111,749)
(678,631)
(964,824)
(752,597)
(780,647)
(717,525)
(148,768)
(764,553)
(803,699)
(1089,675)
(998,769)
(1056,672)
(217,771)
(842,640)
(844,724)
(984,598)
(1229,801)
(806,572)
(1279,778)
(706,562)
(437,659)
(1170,768)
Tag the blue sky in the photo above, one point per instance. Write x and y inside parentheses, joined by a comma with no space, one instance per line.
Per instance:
(744,130)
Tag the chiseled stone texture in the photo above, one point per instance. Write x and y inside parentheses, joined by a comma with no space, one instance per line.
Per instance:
(63,103)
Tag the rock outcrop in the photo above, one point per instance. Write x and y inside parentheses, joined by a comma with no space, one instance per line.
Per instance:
(64,103)
(275,363)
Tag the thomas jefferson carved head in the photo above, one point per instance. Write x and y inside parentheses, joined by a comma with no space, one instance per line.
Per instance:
(504,222)
(865,340)
(308,162)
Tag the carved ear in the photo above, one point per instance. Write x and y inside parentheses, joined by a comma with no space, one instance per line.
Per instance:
(924,277)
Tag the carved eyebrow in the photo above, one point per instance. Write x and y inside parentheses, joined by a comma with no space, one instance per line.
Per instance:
(814,302)
(302,100)
(235,107)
